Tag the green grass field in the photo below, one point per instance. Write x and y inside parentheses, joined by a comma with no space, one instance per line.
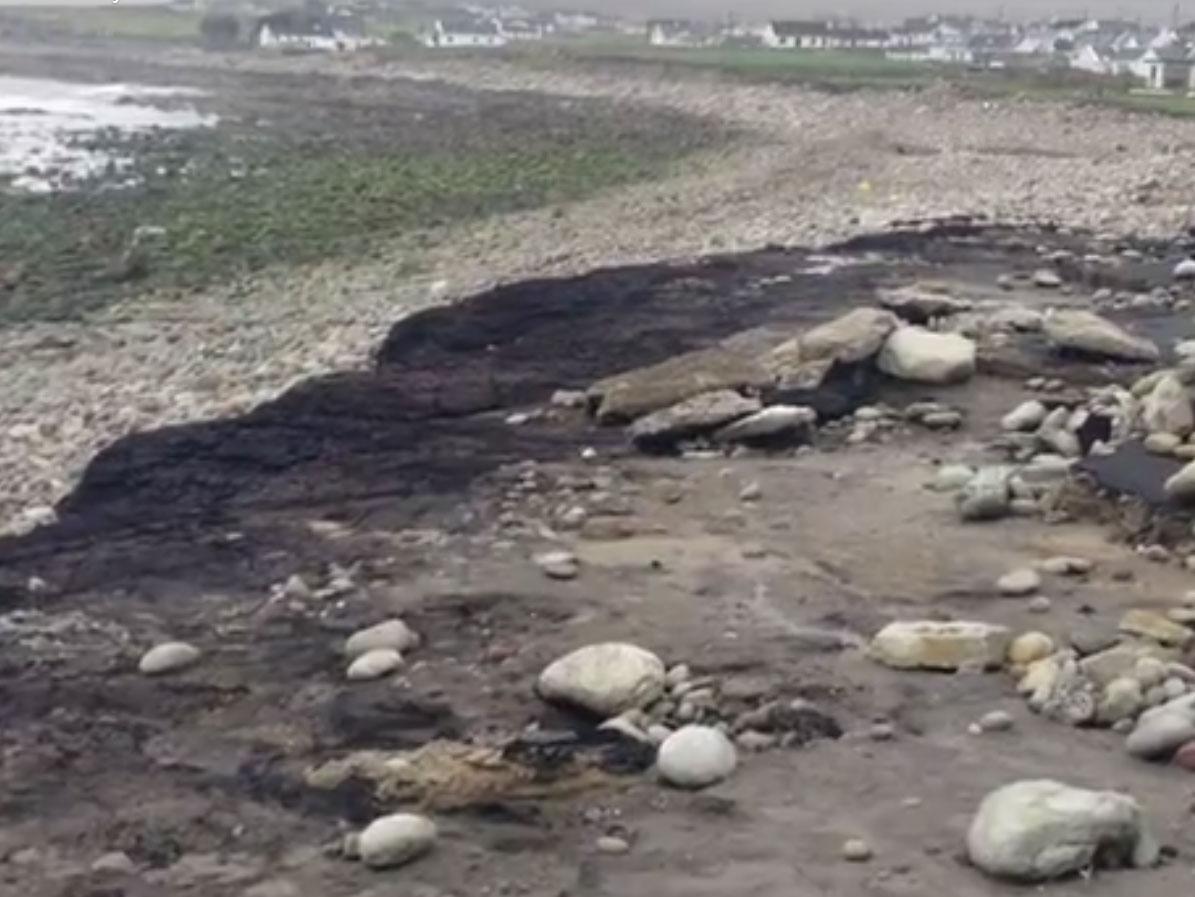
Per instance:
(854,70)
(112,21)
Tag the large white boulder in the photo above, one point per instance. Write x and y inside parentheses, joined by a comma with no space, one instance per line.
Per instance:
(1040,830)
(921,356)
(605,679)
(1167,409)
(1085,331)
(696,757)
(395,840)
(935,645)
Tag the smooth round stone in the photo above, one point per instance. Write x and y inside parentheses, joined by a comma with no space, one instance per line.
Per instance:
(1174,687)
(677,675)
(695,757)
(1040,605)
(1019,583)
(1029,647)
(395,840)
(1149,671)
(559,564)
(393,634)
(1066,566)
(374,664)
(117,863)
(612,845)
(952,477)
(1159,734)
(1122,699)
(168,658)
(996,721)
(856,850)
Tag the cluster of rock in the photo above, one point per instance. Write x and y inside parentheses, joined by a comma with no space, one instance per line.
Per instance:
(1133,682)
(730,395)
(378,650)
(686,717)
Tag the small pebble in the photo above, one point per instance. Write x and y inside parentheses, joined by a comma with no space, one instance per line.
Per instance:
(116,862)
(751,492)
(856,850)
(1040,605)
(881,732)
(168,658)
(1159,554)
(1019,583)
(996,721)
(612,845)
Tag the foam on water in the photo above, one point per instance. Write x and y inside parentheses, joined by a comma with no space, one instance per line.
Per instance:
(42,121)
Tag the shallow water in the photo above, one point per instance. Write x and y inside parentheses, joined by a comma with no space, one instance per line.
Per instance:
(42,122)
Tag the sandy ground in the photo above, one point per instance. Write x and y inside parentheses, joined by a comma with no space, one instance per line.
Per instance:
(813,168)
(199,778)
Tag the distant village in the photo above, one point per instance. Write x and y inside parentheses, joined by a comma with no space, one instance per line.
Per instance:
(1141,55)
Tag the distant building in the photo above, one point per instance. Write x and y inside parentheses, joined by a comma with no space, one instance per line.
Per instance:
(304,29)
(804,35)
(1168,67)
(463,32)
(680,33)
(797,35)
(522,29)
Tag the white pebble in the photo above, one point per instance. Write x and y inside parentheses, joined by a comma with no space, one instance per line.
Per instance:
(374,664)
(168,658)
(395,840)
(394,634)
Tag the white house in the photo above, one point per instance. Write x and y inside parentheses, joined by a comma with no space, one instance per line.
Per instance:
(1168,67)
(463,33)
(794,35)
(303,30)
(522,29)
(1086,58)
(679,33)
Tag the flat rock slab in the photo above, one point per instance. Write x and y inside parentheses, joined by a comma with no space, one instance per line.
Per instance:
(931,645)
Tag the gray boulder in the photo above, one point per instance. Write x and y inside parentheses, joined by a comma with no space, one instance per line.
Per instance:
(692,417)
(1160,732)
(632,394)
(1035,831)
(1027,417)
(1181,486)
(771,422)
(986,496)
(1087,332)
(920,304)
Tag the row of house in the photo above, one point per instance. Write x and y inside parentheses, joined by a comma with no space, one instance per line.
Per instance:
(1157,58)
